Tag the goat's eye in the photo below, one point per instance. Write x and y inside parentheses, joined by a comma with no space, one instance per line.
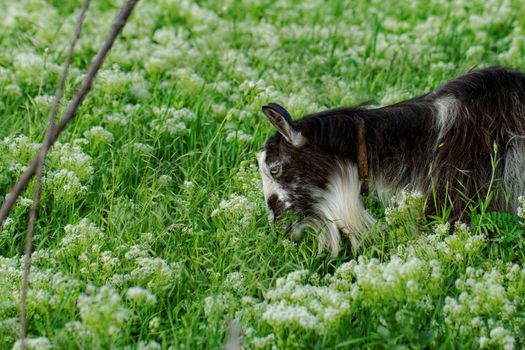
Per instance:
(275,170)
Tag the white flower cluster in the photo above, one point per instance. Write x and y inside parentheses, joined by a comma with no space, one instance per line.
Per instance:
(248,180)
(82,242)
(10,273)
(295,304)
(9,329)
(136,251)
(239,136)
(457,247)
(405,203)
(151,345)
(170,120)
(80,238)
(393,95)
(396,281)
(498,337)
(114,82)
(174,50)
(77,330)
(48,289)
(141,296)
(263,342)
(99,135)
(30,68)
(236,207)
(64,185)
(216,305)
(155,273)
(516,47)
(98,265)
(235,282)
(240,208)
(44,102)
(188,82)
(15,150)
(283,315)
(40,343)
(143,148)
(71,157)
(116,119)
(260,90)
(13,90)
(395,287)
(102,311)
(487,306)
(48,292)
(521,207)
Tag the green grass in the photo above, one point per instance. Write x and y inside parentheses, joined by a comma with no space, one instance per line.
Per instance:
(171,196)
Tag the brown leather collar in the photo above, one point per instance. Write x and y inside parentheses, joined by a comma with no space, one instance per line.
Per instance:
(362,157)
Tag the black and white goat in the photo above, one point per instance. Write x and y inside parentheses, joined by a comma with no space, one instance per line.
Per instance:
(441,144)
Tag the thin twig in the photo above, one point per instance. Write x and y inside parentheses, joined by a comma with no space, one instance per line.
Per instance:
(38,173)
(69,114)
(53,131)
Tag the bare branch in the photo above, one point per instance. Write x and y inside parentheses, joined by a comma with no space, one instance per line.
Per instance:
(73,106)
(52,133)
(38,173)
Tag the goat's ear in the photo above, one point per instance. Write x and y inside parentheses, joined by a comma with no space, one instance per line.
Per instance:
(282,120)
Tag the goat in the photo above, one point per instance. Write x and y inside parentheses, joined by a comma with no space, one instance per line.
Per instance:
(453,145)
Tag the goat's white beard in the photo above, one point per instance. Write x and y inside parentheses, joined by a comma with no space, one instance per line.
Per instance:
(339,209)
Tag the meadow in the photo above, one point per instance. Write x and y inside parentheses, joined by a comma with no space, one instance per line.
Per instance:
(153,232)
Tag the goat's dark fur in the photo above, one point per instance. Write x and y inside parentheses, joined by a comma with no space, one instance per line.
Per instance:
(453,145)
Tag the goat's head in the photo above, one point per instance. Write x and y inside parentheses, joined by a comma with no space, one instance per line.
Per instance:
(288,166)
(308,180)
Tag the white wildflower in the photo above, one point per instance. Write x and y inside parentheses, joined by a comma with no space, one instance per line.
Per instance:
(239,136)
(235,281)
(79,238)
(283,314)
(44,102)
(117,119)
(142,148)
(236,205)
(141,296)
(13,90)
(151,345)
(171,120)
(264,342)
(164,180)
(521,207)
(64,184)
(155,273)
(154,323)
(102,311)
(40,343)
(98,134)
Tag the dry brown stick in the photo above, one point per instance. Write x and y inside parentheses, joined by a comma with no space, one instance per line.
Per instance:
(51,135)
(38,173)
(69,114)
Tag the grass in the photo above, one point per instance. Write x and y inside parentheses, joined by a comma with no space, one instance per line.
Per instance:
(166,196)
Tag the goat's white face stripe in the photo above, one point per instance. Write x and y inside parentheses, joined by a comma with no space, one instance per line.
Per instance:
(270,186)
